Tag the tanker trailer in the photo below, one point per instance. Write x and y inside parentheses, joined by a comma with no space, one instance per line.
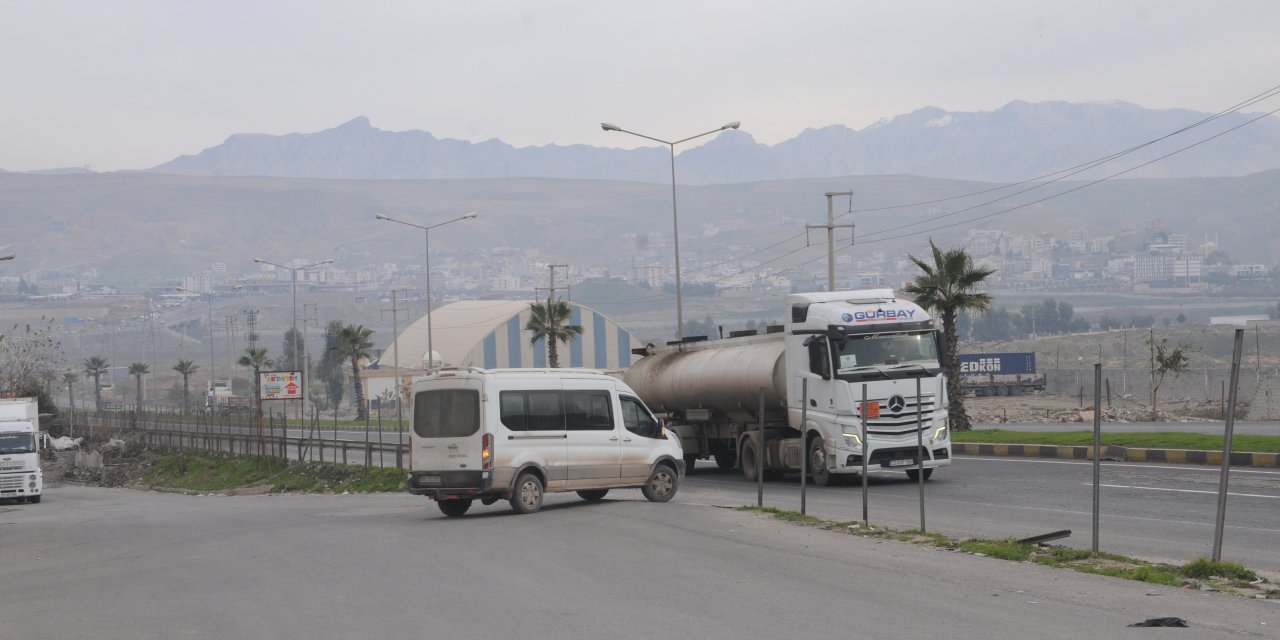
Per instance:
(845,344)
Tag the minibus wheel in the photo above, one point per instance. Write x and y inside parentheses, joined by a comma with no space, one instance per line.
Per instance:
(914,474)
(661,485)
(527,498)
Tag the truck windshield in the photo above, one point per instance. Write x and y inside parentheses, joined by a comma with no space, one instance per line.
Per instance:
(17,443)
(887,353)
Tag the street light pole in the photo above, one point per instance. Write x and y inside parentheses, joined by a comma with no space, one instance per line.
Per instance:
(208,298)
(675,219)
(293,286)
(431,354)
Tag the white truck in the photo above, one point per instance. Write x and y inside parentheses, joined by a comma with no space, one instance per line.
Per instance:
(20,444)
(840,342)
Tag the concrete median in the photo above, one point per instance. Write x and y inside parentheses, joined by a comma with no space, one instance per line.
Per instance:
(1114,453)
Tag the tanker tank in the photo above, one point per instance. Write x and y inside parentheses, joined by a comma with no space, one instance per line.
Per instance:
(724,375)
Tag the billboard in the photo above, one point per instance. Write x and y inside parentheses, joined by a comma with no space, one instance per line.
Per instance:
(983,364)
(280,385)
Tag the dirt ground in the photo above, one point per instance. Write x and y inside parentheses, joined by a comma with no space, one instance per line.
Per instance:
(1045,409)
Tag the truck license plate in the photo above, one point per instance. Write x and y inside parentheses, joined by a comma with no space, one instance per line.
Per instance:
(901,463)
(429,479)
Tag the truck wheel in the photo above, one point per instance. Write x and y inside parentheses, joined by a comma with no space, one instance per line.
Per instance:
(818,470)
(527,498)
(750,461)
(689,461)
(661,485)
(454,508)
(592,495)
(34,499)
(726,460)
(914,474)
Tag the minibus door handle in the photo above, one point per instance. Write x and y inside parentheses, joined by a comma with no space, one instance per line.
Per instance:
(626,439)
(613,439)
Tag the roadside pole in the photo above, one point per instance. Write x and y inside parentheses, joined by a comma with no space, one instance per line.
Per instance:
(804,446)
(1226,447)
(863,411)
(920,452)
(760,455)
(1097,445)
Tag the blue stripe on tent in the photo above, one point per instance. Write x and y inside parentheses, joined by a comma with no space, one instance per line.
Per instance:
(491,351)
(513,341)
(540,353)
(601,339)
(575,345)
(624,347)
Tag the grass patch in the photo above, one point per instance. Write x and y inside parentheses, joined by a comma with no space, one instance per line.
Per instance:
(1196,441)
(212,473)
(1225,576)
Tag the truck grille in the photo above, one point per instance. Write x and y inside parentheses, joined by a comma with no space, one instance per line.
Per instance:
(903,420)
(11,483)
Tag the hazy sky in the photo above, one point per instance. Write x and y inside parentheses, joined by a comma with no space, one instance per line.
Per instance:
(132,84)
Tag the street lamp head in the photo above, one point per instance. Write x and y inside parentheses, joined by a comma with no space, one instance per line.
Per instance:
(610,127)
(260,260)
(379,216)
(8,257)
(732,125)
(329,261)
(470,215)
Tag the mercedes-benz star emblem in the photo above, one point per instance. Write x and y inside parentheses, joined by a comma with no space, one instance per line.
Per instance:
(897,404)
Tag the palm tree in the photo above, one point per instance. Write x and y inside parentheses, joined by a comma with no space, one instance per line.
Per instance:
(548,321)
(137,370)
(946,288)
(96,367)
(354,344)
(186,368)
(256,358)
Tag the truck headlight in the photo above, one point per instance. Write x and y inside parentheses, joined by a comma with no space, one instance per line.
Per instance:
(32,477)
(939,433)
(854,437)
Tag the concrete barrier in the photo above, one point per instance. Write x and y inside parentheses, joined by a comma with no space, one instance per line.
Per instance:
(1114,453)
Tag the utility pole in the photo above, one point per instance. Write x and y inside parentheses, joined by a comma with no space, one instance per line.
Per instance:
(831,227)
(395,354)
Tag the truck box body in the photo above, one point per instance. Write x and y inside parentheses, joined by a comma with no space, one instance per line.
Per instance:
(20,445)
(993,374)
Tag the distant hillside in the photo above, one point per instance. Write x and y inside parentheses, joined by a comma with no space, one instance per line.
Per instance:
(143,225)
(1017,141)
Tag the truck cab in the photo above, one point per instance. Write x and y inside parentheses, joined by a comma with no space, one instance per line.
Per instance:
(21,442)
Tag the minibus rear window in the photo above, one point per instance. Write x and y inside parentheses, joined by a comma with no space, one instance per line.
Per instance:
(446,413)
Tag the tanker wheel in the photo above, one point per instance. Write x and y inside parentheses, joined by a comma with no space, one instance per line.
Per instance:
(914,474)
(818,463)
(726,460)
(689,461)
(750,460)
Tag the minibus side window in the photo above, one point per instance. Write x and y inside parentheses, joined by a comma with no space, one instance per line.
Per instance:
(514,416)
(588,411)
(637,419)
(545,411)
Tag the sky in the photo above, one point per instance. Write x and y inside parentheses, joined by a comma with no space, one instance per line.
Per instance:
(131,84)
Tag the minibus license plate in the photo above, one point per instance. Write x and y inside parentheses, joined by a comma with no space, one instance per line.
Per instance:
(429,479)
(901,463)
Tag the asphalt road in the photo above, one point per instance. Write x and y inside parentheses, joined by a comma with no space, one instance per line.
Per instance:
(109,563)
(1153,511)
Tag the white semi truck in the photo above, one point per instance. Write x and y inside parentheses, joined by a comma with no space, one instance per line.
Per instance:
(840,342)
(20,445)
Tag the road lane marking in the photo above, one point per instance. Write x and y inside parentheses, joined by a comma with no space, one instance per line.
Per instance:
(1112,463)
(1127,486)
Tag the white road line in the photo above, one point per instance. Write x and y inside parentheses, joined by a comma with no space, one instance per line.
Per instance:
(1127,486)
(1205,468)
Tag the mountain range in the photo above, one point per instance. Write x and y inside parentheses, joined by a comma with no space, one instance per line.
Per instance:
(1016,142)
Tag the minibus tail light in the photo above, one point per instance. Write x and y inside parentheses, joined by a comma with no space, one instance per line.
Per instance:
(486,453)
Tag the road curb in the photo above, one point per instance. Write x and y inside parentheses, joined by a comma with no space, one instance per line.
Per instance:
(1114,453)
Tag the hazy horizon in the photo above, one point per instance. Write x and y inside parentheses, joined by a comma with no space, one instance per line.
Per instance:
(130,85)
